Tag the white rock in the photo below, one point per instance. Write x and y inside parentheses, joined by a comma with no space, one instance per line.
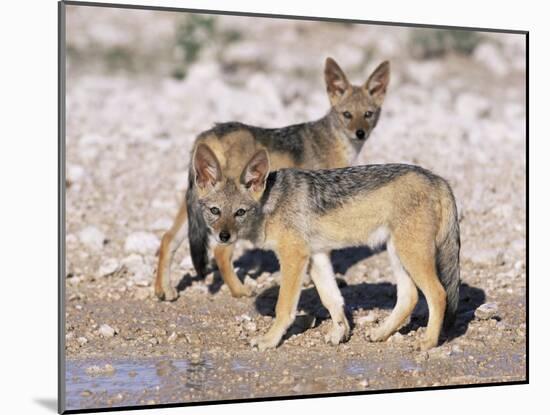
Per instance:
(161,224)
(249,281)
(92,237)
(75,173)
(519,265)
(364,383)
(141,272)
(186,262)
(396,338)
(486,311)
(142,243)
(108,267)
(472,106)
(82,341)
(106,331)
(489,55)
(369,318)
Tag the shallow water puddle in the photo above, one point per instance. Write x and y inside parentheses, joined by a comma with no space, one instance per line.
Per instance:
(133,382)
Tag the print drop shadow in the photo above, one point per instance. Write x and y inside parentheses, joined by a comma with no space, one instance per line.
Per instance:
(368,296)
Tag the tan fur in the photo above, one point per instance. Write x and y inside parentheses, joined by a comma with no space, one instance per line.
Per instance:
(293,254)
(223,255)
(171,241)
(410,207)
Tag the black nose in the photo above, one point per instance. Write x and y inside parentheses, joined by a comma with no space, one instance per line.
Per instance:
(224,236)
(360,134)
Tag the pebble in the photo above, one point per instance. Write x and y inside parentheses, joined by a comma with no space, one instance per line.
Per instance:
(108,267)
(100,370)
(250,326)
(250,282)
(396,338)
(173,337)
(141,272)
(486,311)
(142,293)
(364,383)
(106,331)
(456,349)
(371,317)
(82,341)
(92,238)
(144,243)
(75,173)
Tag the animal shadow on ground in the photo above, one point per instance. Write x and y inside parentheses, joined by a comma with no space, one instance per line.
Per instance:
(368,296)
(254,262)
(362,296)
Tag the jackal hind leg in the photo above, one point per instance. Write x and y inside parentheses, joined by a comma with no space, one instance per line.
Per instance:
(323,277)
(407,297)
(418,258)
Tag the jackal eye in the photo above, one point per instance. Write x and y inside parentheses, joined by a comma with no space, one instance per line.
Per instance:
(347,115)
(368,114)
(215,211)
(240,212)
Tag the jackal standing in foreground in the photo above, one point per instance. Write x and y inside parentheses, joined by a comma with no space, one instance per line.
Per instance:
(303,214)
(332,141)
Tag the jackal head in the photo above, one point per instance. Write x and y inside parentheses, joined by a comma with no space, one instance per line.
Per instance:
(356,109)
(230,206)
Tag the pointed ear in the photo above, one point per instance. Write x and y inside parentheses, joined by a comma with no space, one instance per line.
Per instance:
(206,166)
(378,82)
(336,81)
(255,173)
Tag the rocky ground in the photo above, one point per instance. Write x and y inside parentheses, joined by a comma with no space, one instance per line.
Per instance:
(131,121)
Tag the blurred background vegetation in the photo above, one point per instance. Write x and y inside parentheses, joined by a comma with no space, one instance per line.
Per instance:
(170,43)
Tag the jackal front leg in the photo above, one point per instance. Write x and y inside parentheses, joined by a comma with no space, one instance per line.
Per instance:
(223,255)
(293,257)
(171,241)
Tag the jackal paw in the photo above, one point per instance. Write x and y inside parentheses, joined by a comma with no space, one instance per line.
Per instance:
(338,333)
(424,345)
(264,342)
(378,334)
(167,294)
(242,291)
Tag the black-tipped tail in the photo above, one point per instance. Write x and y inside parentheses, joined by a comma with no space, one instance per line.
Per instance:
(448,263)
(198,234)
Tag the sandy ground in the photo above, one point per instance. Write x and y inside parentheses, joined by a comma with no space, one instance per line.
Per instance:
(128,139)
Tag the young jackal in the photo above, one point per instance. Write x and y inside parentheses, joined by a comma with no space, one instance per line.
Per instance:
(332,141)
(303,214)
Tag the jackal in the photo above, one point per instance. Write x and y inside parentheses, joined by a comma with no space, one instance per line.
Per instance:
(332,141)
(303,214)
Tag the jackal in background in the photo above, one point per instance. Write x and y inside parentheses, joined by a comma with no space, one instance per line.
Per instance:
(303,214)
(332,141)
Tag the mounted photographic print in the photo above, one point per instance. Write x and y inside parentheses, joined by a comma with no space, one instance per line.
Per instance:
(259,207)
